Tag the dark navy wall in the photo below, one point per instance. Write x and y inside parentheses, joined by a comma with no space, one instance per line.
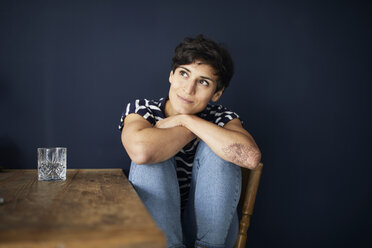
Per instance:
(302,86)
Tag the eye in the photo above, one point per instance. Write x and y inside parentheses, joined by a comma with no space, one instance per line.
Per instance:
(204,82)
(183,73)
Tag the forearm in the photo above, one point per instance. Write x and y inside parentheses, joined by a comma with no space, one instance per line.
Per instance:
(152,145)
(234,146)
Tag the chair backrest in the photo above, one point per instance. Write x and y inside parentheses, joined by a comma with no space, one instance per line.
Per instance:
(250,182)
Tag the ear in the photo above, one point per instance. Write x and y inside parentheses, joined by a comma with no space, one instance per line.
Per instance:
(171,76)
(217,95)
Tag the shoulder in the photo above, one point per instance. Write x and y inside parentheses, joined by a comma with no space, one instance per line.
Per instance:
(148,109)
(141,105)
(144,103)
(218,114)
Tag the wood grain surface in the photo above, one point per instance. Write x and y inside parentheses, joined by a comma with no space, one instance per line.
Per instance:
(92,208)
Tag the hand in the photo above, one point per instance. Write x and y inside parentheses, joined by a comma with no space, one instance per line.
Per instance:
(169,122)
(175,121)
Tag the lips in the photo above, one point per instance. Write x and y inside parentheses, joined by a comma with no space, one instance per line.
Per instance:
(184,100)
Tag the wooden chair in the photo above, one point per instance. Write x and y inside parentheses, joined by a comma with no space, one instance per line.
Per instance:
(250,182)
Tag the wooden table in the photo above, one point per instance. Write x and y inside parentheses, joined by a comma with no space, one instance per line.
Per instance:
(92,208)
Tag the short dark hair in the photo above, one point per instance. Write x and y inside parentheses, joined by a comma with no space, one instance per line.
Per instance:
(208,52)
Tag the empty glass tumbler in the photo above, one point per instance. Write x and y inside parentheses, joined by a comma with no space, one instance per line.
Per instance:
(51,163)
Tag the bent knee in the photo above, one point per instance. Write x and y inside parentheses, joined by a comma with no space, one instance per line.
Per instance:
(205,156)
(205,153)
(150,172)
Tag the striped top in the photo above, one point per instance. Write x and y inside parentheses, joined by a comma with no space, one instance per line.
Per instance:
(153,111)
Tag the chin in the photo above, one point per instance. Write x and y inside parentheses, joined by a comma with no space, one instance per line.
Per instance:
(184,112)
(182,109)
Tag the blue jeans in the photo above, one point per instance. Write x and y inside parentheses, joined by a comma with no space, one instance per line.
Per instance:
(210,217)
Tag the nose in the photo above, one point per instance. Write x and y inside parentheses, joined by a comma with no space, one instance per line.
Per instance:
(189,87)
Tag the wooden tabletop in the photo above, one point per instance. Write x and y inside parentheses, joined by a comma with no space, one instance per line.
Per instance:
(92,208)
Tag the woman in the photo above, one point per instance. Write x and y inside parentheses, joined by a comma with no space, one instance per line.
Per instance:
(186,152)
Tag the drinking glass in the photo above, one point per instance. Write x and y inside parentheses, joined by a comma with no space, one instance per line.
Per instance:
(51,163)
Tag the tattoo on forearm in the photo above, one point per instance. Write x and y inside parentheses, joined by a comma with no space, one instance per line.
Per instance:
(239,153)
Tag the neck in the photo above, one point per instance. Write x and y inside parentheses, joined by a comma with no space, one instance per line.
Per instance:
(168,109)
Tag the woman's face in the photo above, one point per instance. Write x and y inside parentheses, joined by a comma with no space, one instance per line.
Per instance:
(191,88)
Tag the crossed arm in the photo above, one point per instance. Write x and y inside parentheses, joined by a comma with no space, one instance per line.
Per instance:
(146,144)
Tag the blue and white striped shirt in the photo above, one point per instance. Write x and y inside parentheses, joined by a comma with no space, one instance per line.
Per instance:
(153,111)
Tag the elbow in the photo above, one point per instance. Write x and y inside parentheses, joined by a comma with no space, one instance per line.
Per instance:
(140,155)
(253,160)
(137,151)
(139,159)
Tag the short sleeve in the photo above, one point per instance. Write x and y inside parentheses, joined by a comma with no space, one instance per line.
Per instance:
(225,116)
(219,115)
(140,107)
